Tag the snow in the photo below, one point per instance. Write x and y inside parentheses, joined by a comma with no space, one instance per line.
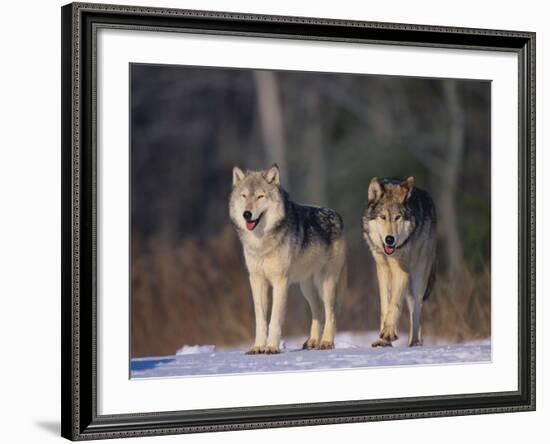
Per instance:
(352,350)
(195,349)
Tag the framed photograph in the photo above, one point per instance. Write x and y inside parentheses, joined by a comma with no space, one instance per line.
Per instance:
(280,221)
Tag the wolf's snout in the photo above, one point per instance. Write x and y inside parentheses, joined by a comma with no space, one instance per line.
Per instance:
(390,240)
(247,215)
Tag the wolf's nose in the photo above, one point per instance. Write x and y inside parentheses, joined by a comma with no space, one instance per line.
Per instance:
(247,215)
(390,240)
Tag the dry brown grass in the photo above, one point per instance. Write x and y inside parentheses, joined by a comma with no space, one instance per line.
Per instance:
(197,292)
(459,308)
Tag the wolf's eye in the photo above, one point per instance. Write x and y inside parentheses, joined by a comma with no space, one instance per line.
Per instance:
(398,217)
(260,196)
(243,196)
(383,217)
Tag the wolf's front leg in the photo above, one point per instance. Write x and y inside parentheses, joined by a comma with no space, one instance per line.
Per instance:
(399,284)
(260,288)
(280,293)
(384,282)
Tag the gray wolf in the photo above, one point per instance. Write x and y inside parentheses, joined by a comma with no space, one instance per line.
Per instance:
(399,226)
(284,243)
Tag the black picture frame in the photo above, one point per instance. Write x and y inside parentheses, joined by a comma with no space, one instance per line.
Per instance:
(79,169)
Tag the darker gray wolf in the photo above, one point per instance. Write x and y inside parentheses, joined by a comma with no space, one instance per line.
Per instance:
(284,243)
(399,226)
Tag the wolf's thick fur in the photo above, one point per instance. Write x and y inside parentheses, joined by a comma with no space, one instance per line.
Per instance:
(284,243)
(403,215)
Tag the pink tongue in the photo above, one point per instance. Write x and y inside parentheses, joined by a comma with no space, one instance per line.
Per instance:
(388,249)
(250,225)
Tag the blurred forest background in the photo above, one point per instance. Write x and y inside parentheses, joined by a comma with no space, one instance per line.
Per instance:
(330,134)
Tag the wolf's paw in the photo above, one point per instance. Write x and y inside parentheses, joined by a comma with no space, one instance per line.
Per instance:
(415,343)
(326,345)
(381,343)
(388,334)
(310,343)
(272,350)
(256,350)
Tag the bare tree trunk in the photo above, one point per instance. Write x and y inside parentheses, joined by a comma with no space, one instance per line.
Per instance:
(312,149)
(271,118)
(447,195)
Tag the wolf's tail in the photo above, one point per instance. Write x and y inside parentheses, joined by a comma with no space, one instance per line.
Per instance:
(431,282)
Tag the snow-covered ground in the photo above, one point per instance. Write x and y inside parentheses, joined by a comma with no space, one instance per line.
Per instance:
(352,351)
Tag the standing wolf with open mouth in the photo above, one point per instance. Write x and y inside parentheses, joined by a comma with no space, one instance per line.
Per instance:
(284,243)
(399,227)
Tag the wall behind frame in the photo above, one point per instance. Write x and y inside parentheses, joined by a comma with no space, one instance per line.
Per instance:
(30,234)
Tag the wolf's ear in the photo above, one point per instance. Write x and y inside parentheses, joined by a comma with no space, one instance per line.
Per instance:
(272,175)
(375,190)
(238,175)
(407,186)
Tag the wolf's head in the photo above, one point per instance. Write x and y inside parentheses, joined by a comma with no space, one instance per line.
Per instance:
(388,218)
(256,203)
